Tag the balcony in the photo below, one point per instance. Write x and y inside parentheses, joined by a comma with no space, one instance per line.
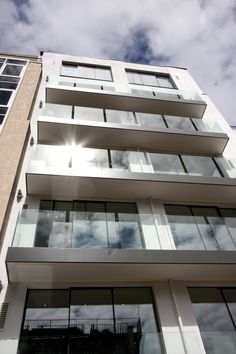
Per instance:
(94,246)
(101,128)
(61,90)
(77,172)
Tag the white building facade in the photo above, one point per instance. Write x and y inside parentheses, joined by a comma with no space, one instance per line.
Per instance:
(125,238)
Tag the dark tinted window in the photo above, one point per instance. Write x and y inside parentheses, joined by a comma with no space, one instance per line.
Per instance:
(12,70)
(4,97)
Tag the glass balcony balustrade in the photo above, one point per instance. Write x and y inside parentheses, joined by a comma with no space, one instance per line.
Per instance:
(148,120)
(202,228)
(146,91)
(75,229)
(82,160)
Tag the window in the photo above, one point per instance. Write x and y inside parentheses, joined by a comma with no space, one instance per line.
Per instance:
(150,79)
(10,72)
(8,82)
(5,97)
(90,320)
(3,111)
(88,224)
(86,71)
(202,228)
(215,311)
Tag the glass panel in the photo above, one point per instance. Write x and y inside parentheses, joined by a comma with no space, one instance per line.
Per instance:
(149,79)
(134,315)
(8,85)
(145,93)
(129,231)
(213,229)
(91,321)
(200,166)
(121,117)
(230,298)
(88,86)
(126,160)
(86,158)
(57,156)
(213,319)
(229,216)
(87,72)
(108,88)
(57,110)
(179,123)
(89,229)
(103,74)
(9,79)
(3,110)
(52,230)
(150,120)
(90,114)
(210,309)
(12,70)
(164,82)
(134,78)
(166,163)
(205,125)
(46,322)
(69,70)
(16,61)
(227,166)
(5,97)
(183,227)
(202,217)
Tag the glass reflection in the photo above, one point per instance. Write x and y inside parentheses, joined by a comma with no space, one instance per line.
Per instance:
(120,117)
(86,158)
(183,227)
(214,319)
(46,322)
(150,120)
(179,123)
(106,321)
(199,228)
(88,113)
(57,110)
(166,163)
(200,166)
(126,160)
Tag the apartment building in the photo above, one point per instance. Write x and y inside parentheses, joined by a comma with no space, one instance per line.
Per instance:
(124,239)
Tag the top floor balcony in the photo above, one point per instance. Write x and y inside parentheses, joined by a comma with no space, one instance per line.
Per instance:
(73,91)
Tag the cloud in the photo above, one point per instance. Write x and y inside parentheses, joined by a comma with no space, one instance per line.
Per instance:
(197,34)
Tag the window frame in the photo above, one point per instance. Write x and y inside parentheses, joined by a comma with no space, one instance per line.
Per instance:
(154,73)
(85,65)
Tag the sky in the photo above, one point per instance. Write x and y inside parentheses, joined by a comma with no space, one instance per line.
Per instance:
(197,34)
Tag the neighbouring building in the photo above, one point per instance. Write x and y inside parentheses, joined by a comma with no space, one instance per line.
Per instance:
(123,240)
(19,78)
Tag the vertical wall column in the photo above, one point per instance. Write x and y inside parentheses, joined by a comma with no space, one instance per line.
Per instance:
(179,328)
(14,295)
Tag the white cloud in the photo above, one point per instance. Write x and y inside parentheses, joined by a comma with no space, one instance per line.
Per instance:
(196,34)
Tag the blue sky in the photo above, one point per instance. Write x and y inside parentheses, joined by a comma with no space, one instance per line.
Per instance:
(197,34)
